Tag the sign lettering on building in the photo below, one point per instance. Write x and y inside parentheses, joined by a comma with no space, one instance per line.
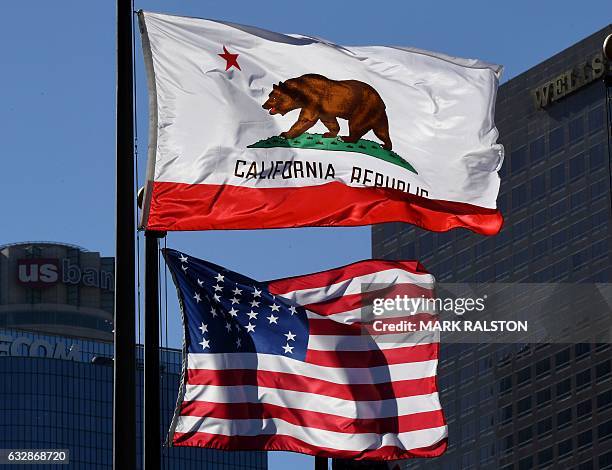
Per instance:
(44,272)
(24,346)
(569,81)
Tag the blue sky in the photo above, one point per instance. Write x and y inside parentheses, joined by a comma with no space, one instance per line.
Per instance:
(58,117)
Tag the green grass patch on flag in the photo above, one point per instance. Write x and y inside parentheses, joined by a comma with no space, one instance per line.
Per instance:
(318,142)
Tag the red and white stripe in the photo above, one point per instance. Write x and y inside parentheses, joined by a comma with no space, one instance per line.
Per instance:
(355,396)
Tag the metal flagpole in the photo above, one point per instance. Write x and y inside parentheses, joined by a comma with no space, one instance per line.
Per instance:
(151,426)
(124,393)
(320,463)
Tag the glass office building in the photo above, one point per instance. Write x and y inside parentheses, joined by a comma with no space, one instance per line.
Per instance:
(538,405)
(56,390)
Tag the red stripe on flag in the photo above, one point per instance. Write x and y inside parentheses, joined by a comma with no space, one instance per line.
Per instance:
(354,301)
(180,206)
(314,419)
(374,358)
(334,276)
(281,442)
(298,383)
(329,326)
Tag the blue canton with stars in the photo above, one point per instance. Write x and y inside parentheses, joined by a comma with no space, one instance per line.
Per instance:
(227,312)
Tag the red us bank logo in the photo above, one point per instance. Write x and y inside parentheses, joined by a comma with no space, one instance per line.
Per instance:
(38,272)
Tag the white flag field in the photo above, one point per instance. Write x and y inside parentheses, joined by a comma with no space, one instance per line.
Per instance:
(255,129)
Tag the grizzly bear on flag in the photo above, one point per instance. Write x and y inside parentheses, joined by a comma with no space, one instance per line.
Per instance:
(327,100)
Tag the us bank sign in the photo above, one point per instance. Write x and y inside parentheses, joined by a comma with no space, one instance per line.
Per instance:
(569,81)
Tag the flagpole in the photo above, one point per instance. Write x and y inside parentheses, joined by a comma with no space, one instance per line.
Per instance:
(151,421)
(124,391)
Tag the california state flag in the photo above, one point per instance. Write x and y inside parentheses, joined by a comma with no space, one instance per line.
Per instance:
(255,129)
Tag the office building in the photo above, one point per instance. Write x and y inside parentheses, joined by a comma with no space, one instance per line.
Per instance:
(56,304)
(524,406)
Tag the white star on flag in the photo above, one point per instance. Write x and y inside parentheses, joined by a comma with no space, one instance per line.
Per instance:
(237,291)
(288,349)
(218,288)
(252,314)
(213,311)
(200,283)
(217,298)
(203,328)
(238,342)
(254,303)
(228,326)
(197,298)
(235,300)
(272,319)
(205,343)
(183,258)
(256,292)
(233,312)
(184,268)
(274,307)
(219,278)
(293,310)
(290,336)
(250,328)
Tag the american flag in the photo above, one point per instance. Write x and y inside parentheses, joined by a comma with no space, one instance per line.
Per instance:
(286,365)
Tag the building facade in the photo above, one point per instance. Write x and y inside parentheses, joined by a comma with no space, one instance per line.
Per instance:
(532,405)
(56,362)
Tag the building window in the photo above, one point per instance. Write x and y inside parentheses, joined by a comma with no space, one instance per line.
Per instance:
(585,438)
(556,139)
(564,388)
(599,189)
(564,418)
(543,396)
(604,430)
(583,379)
(544,426)
(540,249)
(518,159)
(539,219)
(521,258)
(557,176)
(507,443)
(520,229)
(602,371)
(577,166)
(562,358)
(407,251)
(604,400)
(505,385)
(605,461)
(519,196)
(596,119)
(526,463)
(576,129)
(583,409)
(537,150)
(523,406)
(525,435)
(426,245)
(543,367)
(565,447)
(505,414)
(597,158)
(538,186)
(545,456)
(523,375)
(579,198)
(582,350)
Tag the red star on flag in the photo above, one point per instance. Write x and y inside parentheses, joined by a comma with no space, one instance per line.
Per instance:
(231,59)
